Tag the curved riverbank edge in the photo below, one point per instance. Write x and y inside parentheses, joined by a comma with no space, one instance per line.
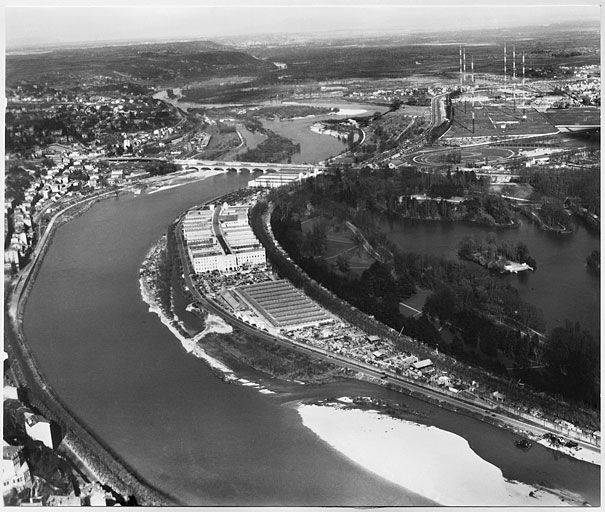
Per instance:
(94,453)
(459,477)
(213,323)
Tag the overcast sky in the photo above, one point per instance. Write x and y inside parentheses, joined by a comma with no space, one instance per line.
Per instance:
(54,22)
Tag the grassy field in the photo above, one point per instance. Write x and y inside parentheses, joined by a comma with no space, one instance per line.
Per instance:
(415,302)
(498,121)
(340,242)
(587,115)
(477,155)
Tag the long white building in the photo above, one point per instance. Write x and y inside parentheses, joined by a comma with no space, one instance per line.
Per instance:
(197,224)
(221,239)
(281,178)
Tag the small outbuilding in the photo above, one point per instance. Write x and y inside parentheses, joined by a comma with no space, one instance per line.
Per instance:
(421,365)
(497,396)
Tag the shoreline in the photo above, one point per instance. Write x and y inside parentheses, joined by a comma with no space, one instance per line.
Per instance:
(89,450)
(404,452)
(213,324)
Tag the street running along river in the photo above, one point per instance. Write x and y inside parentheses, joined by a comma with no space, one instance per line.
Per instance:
(167,414)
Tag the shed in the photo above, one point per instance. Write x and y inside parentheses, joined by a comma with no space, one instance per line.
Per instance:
(425,363)
(378,354)
(409,361)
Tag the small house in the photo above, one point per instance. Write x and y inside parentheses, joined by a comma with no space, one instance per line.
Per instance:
(39,429)
(15,471)
(422,365)
(497,396)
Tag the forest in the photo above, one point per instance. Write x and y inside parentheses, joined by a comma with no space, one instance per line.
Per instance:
(410,193)
(582,184)
(490,324)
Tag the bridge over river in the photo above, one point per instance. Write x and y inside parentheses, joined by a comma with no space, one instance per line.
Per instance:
(217,165)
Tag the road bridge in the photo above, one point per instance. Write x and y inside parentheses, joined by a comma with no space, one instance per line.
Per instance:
(217,165)
(225,166)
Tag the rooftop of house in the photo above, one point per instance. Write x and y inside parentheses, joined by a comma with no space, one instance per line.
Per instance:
(33,419)
(9,452)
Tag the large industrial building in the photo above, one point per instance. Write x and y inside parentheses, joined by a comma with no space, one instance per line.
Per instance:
(238,236)
(221,239)
(197,224)
(282,305)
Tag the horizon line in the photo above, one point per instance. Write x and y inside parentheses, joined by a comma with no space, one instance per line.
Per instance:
(391,32)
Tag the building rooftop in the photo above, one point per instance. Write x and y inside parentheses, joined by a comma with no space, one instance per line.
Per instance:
(33,419)
(9,452)
(282,305)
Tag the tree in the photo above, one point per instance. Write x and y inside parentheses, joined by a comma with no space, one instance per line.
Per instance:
(573,360)
(343,264)
(441,304)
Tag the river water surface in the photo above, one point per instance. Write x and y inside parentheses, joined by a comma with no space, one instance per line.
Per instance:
(314,147)
(190,434)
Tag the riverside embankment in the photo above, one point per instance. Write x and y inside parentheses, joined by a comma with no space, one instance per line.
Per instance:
(106,465)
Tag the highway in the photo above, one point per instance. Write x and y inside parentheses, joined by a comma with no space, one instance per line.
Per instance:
(386,377)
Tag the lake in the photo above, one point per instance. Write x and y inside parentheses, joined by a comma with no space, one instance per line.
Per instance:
(562,287)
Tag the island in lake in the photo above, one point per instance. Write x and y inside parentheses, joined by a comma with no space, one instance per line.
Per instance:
(497,255)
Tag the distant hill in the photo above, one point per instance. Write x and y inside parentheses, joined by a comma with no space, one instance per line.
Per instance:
(148,62)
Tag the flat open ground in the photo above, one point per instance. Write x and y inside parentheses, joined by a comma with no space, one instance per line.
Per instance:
(498,121)
(477,154)
(340,242)
(413,306)
(571,116)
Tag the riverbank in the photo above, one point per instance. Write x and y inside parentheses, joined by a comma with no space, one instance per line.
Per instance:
(227,351)
(406,453)
(91,452)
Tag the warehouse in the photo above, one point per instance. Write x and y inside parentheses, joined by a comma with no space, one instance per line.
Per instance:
(282,305)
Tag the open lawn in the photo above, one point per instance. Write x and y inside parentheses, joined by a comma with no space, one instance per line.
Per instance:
(497,121)
(413,306)
(339,241)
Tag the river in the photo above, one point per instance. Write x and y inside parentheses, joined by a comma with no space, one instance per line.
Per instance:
(314,147)
(562,287)
(193,436)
